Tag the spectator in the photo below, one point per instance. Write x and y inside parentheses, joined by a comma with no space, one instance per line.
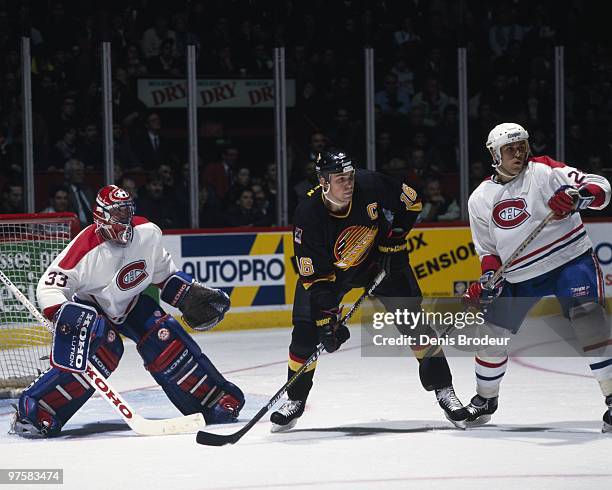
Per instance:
(167,174)
(80,196)
(211,210)
(154,36)
(393,100)
(154,205)
(433,100)
(243,212)
(385,150)
(67,118)
(220,175)
(133,63)
(262,204)
(261,62)
(419,169)
(310,102)
(504,31)
(123,151)
(224,62)
(150,148)
(445,138)
(128,184)
(58,200)
(89,150)
(539,144)
(310,181)
(242,180)
(406,36)
(436,206)
(183,36)
(165,64)
(270,183)
(405,76)
(396,168)
(12,198)
(478,172)
(344,132)
(64,150)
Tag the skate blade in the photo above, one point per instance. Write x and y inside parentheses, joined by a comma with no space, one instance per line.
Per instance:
(283,428)
(460,424)
(482,420)
(606,428)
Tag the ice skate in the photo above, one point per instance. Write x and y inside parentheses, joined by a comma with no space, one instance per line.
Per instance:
(286,417)
(454,410)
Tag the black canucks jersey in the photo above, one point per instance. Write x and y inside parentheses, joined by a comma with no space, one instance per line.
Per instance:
(338,248)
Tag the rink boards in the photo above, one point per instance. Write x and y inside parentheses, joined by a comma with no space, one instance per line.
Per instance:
(256,267)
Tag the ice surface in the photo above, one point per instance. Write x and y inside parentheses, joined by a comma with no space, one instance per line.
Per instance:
(368,424)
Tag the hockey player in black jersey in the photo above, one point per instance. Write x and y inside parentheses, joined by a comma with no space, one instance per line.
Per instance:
(341,239)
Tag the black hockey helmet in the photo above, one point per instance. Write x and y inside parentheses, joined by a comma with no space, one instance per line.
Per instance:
(333,161)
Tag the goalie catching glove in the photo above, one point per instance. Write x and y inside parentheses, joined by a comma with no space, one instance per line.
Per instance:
(202,307)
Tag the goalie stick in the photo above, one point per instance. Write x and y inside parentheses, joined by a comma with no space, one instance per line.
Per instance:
(139,424)
(210,439)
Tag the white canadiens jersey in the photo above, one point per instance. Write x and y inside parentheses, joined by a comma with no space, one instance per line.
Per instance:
(503,215)
(111,276)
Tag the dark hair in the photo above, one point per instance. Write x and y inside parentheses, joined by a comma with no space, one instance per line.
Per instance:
(55,189)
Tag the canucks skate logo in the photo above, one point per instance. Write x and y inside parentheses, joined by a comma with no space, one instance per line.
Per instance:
(510,213)
(353,245)
(132,275)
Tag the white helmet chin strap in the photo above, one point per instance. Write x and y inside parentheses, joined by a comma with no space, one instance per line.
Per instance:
(326,196)
(498,169)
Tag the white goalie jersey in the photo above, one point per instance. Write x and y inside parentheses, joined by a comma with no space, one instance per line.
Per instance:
(503,215)
(100,272)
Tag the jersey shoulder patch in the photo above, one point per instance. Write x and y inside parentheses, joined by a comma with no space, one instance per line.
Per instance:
(139,220)
(549,162)
(84,243)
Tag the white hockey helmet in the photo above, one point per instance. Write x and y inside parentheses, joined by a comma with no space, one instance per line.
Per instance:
(504,134)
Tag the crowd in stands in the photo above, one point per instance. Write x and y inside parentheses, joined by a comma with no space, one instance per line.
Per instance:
(510,77)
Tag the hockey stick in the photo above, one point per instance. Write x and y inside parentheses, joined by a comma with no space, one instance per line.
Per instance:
(499,272)
(140,425)
(210,439)
(519,250)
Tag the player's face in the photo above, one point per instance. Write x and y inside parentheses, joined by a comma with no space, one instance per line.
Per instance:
(514,157)
(341,186)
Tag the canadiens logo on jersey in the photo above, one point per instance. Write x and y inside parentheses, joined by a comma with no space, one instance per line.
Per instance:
(353,244)
(510,213)
(132,275)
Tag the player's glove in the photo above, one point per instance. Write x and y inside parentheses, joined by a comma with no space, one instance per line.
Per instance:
(332,333)
(393,250)
(202,307)
(568,199)
(481,294)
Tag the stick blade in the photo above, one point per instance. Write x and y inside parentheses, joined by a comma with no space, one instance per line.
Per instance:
(187,424)
(210,439)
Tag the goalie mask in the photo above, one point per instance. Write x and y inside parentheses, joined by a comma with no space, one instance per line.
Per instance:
(113,215)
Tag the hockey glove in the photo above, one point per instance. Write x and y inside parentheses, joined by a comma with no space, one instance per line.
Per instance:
(202,307)
(568,199)
(393,250)
(332,333)
(481,294)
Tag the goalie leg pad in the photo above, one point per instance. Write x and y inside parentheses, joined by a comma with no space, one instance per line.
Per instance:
(178,365)
(56,395)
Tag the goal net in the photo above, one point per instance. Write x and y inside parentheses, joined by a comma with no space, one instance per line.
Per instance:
(28,244)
